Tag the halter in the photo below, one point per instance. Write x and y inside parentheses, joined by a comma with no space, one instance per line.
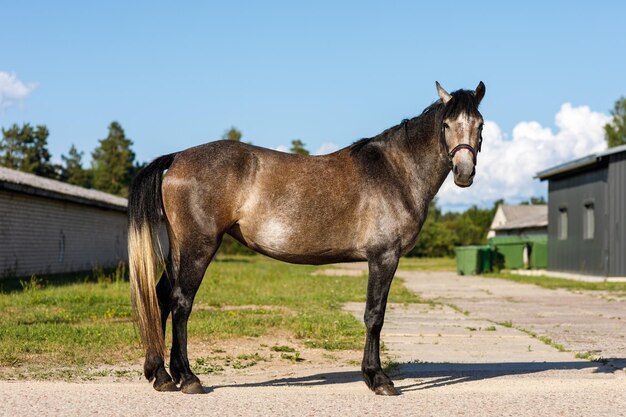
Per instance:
(460,146)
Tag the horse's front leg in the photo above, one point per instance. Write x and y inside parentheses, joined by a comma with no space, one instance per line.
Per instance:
(382,267)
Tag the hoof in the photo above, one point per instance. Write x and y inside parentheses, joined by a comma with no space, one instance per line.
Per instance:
(166,386)
(386,389)
(194,387)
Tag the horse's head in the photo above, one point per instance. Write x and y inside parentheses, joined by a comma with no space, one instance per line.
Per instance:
(461,131)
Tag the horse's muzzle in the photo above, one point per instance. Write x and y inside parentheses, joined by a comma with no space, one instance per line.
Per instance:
(464,171)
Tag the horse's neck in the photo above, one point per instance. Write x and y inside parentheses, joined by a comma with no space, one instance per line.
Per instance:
(416,152)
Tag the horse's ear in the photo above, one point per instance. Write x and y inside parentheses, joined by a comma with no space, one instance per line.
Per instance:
(480,92)
(443,94)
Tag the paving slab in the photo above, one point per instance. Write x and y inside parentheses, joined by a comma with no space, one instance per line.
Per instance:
(580,321)
(423,333)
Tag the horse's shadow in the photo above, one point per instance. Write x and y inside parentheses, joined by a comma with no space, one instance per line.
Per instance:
(435,375)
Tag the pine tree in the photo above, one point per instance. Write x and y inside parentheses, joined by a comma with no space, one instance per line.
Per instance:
(26,149)
(37,155)
(72,170)
(297,146)
(11,146)
(113,162)
(232,134)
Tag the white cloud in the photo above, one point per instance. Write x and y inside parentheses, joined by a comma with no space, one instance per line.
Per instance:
(506,167)
(326,148)
(282,148)
(12,90)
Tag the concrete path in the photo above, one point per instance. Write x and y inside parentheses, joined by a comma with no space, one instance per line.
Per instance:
(586,321)
(454,360)
(591,322)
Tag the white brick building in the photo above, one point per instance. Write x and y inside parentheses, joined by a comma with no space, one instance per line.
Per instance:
(49,227)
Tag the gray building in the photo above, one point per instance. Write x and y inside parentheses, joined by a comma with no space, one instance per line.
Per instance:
(587,214)
(49,227)
(520,220)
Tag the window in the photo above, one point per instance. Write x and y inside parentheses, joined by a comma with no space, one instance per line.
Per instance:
(562,224)
(589,221)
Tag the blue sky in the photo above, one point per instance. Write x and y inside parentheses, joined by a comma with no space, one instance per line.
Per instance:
(177,75)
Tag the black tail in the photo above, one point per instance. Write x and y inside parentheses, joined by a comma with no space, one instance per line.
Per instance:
(145,211)
(145,203)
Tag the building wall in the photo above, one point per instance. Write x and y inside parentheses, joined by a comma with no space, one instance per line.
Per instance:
(575,254)
(617,215)
(40,235)
(529,231)
(498,220)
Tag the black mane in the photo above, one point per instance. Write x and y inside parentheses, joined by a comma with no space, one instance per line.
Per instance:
(463,101)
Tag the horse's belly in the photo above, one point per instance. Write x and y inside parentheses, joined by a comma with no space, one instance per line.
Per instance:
(272,235)
(282,240)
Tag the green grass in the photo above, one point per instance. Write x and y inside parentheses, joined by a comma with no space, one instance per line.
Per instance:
(584,355)
(553,283)
(310,305)
(71,323)
(282,348)
(88,321)
(591,357)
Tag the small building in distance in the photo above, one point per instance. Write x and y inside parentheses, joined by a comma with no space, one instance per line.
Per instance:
(587,214)
(519,220)
(519,234)
(49,227)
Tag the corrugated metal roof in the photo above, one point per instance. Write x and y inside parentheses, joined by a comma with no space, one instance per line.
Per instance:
(578,163)
(33,184)
(524,216)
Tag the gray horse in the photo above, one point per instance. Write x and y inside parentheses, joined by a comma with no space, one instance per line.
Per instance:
(366,202)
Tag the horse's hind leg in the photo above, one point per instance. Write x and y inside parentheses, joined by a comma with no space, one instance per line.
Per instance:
(381,270)
(194,260)
(163,380)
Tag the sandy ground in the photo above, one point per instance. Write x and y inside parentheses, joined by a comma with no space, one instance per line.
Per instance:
(453,359)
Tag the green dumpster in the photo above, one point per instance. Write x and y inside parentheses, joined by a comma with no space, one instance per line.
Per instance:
(539,255)
(472,260)
(516,252)
(513,253)
(486,258)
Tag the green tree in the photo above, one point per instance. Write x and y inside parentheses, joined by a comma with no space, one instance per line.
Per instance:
(72,170)
(113,162)
(232,134)
(534,201)
(297,146)
(12,146)
(615,130)
(465,231)
(442,232)
(38,156)
(26,149)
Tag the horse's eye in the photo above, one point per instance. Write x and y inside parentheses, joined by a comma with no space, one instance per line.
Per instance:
(480,127)
(445,126)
